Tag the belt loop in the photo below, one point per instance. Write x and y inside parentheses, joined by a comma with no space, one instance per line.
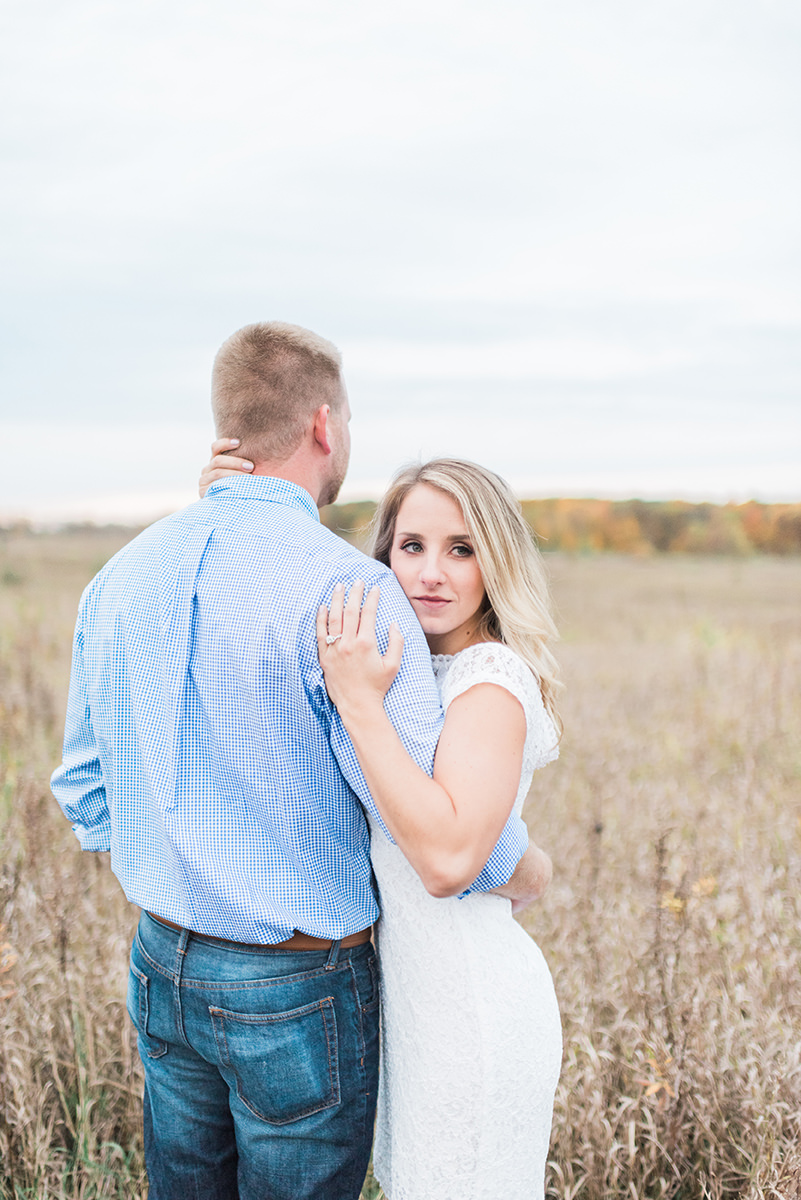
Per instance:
(177,979)
(333,955)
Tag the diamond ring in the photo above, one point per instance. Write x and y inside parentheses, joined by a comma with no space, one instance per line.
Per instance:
(331,638)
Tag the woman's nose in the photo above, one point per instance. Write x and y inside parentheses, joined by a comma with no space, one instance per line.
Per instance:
(431,571)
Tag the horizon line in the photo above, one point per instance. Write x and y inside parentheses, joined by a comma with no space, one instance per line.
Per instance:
(17,521)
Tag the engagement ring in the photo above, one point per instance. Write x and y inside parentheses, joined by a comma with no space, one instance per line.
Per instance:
(331,638)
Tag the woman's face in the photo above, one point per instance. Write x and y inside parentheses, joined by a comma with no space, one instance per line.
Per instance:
(432,555)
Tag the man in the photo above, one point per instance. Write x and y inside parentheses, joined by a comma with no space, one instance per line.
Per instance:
(202,750)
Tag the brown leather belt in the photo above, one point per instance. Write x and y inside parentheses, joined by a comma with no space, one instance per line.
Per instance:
(298,941)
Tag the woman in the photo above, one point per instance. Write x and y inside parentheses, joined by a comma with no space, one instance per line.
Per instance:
(471,1033)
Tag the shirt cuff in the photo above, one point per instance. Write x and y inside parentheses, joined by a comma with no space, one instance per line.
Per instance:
(500,865)
(96,838)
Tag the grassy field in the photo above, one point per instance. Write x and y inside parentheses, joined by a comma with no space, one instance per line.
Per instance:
(673,926)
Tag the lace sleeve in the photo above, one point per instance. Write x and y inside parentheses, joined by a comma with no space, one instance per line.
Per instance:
(491,662)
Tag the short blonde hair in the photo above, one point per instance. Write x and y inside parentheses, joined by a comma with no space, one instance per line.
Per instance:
(518,609)
(268,379)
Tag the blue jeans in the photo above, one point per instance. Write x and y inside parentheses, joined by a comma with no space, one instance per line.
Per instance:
(261,1066)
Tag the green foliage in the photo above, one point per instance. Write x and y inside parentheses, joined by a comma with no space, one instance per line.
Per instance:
(350,521)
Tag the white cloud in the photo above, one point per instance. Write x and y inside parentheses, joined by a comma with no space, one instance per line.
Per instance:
(542,359)
(593,206)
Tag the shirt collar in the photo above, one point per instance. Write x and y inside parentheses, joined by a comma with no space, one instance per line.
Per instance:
(264,487)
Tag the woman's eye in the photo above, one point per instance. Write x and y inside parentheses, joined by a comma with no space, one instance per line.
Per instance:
(462,551)
(411,547)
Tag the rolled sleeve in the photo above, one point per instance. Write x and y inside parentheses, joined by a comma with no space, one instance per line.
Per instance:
(500,865)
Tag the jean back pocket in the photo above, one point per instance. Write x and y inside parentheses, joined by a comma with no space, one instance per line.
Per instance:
(286,1063)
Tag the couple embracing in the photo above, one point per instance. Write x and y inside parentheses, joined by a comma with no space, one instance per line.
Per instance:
(256,733)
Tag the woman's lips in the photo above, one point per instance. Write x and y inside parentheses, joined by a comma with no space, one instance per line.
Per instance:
(433,602)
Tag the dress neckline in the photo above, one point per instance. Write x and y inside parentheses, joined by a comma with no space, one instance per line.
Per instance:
(439,660)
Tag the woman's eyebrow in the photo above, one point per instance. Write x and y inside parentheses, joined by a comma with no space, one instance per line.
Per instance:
(452,537)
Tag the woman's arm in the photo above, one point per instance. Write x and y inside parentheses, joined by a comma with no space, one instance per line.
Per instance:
(446,826)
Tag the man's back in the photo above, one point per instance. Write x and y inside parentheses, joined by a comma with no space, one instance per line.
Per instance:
(213,765)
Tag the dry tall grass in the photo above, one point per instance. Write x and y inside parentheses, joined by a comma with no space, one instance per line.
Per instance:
(672,926)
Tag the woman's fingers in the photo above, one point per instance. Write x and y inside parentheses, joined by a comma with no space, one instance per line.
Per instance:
(335,614)
(355,618)
(394,654)
(352,613)
(222,463)
(346,644)
(368,614)
(223,458)
(225,464)
(229,464)
(322,630)
(222,455)
(223,445)
(343,617)
(209,476)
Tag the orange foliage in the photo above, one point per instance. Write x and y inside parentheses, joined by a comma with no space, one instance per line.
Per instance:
(636,526)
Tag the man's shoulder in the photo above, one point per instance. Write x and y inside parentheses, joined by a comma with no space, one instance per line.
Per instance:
(342,555)
(147,552)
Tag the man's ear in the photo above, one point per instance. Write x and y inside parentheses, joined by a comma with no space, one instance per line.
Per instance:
(320,428)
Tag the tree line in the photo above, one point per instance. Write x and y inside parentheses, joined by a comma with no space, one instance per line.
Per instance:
(589,526)
(634,526)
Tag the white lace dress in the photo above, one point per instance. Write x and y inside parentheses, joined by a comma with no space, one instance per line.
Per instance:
(471,1038)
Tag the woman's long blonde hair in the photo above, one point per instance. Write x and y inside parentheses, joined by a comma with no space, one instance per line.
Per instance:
(517,605)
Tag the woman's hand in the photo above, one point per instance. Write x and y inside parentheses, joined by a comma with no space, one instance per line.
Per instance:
(222,463)
(530,880)
(357,676)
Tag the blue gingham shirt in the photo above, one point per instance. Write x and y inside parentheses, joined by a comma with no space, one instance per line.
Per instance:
(201,747)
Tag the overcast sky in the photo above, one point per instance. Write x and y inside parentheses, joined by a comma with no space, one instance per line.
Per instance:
(559,238)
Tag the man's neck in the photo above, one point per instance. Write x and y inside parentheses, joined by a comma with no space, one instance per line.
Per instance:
(309,464)
(292,474)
